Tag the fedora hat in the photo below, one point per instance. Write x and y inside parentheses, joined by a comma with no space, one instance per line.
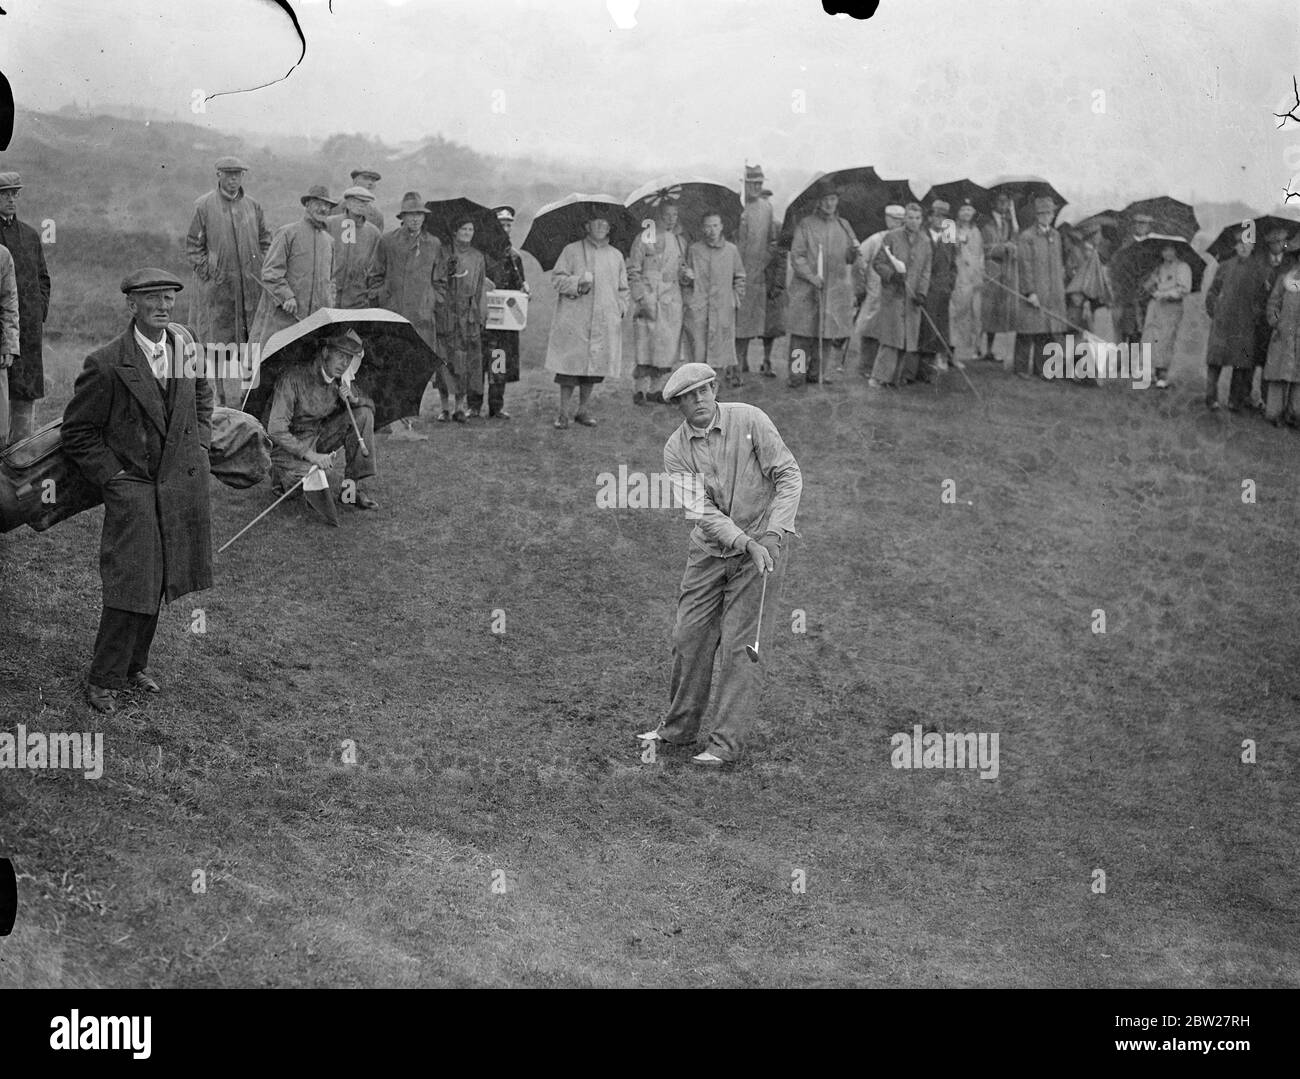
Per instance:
(319,191)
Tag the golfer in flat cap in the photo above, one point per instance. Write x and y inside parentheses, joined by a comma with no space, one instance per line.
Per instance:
(138,427)
(743,484)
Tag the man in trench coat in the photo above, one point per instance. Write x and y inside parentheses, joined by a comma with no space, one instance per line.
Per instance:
(903,263)
(226,243)
(821,290)
(26,374)
(138,427)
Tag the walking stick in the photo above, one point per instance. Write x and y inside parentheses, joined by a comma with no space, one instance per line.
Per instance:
(269,508)
(1088,334)
(952,358)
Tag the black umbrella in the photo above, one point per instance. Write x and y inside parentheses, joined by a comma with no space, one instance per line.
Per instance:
(1132,262)
(1226,241)
(564,221)
(694,197)
(1172,218)
(863,198)
(489,236)
(956,192)
(393,373)
(1023,189)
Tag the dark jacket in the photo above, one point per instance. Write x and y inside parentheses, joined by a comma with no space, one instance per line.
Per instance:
(27,375)
(157,534)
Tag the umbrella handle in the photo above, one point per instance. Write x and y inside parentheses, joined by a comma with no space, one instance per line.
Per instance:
(361,442)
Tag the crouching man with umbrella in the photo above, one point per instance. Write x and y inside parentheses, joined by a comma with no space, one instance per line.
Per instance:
(314,412)
(735,475)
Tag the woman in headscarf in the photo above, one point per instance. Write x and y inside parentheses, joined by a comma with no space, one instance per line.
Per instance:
(1167,285)
(460,284)
(1282,369)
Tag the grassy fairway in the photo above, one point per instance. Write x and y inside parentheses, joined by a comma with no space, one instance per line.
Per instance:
(479,752)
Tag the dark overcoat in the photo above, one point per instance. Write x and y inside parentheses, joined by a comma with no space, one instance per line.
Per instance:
(157,534)
(27,375)
(934,334)
(1235,302)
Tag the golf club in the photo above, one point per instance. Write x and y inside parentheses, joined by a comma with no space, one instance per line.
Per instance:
(751,650)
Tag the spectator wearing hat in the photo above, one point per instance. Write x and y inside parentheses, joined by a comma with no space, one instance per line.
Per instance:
(757,240)
(1001,273)
(22,383)
(368,178)
(738,480)
(1282,369)
(1040,315)
(308,420)
(586,341)
(401,277)
(715,290)
(903,263)
(226,244)
(866,283)
(1277,257)
(298,274)
(501,347)
(355,240)
(1236,302)
(138,427)
(821,292)
(965,306)
(1167,285)
(1130,300)
(460,307)
(933,337)
(656,271)
(1086,284)
(8,334)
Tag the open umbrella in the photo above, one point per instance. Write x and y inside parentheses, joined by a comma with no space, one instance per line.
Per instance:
(1023,189)
(560,223)
(489,236)
(956,192)
(1134,261)
(393,373)
(863,198)
(693,196)
(1075,222)
(1226,241)
(1172,218)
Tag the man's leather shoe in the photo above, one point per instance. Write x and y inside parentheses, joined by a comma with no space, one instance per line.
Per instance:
(584,419)
(365,502)
(499,414)
(100,699)
(141,680)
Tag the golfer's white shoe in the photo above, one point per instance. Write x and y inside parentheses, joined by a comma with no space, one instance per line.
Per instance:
(706,758)
(651,736)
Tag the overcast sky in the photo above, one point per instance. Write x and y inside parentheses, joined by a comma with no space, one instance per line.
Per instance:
(1128,96)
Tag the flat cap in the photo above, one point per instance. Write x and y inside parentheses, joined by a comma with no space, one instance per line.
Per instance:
(151,279)
(894,210)
(359,192)
(230,164)
(356,174)
(940,206)
(9,181)
(504,213)
(1144,217)
(348,341)
(686,378)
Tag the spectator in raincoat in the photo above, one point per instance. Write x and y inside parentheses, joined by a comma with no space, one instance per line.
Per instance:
(866,283)
(586,342)
(368,178)
(654,272)
(401,279)
(964,307)
(1236,302)
(1040,315)
(821,292)
(1282,370)
(1130,301)
(227,241)
(715,292)
(460,289)
(1001,273)
(757,242)
(298,274)
(8,334)
(933,338)
(1167,285)
(355,242)
(26,373)
(903,263)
